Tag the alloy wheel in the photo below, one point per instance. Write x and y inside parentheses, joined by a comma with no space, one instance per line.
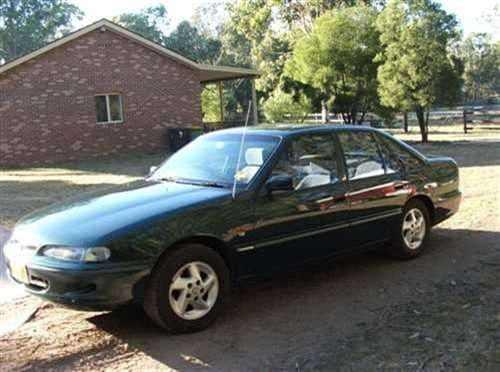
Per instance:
(193,290)
(414,228)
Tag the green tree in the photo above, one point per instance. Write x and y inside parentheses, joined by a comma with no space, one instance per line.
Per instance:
(209,17)
(26,25)
(149,22)
(247,25)
(210,103)
(188,41)
(416,36)
(248,22)
(336,57)
(210,106)
(301,14)
(481,58)
(282,106)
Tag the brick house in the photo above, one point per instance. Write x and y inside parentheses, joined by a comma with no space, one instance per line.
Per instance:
(99,91)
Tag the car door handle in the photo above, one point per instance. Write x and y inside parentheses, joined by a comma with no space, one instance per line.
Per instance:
(400,185)
(329,199)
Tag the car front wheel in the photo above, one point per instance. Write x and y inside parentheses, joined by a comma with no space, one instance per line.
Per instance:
(187,289)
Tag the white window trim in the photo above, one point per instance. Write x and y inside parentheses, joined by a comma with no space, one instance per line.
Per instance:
(108,109)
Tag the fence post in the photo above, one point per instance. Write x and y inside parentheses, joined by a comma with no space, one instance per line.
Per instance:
(465,121)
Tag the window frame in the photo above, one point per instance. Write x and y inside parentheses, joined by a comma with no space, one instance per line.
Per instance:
(383,140)
(108,108)
(336,155)
(344,160)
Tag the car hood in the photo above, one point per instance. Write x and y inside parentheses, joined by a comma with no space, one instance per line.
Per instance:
(99,217)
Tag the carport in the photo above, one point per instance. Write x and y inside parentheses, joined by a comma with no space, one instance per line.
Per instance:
(218,74)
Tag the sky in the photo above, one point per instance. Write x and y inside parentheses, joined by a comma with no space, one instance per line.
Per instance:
(468,12)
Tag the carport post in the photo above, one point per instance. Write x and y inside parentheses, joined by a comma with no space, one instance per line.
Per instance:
(254,103)
(221,103)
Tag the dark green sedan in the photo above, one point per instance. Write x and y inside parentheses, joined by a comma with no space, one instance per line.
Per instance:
(230,205)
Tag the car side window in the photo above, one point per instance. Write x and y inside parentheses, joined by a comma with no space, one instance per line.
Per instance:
(311,161)
(362,156)
(396,157)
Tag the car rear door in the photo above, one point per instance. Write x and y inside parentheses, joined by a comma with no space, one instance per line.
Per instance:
(307,222)
(372,191)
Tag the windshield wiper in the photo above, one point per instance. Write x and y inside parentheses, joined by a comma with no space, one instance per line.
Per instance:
(169,179)
(193,182)
(208,184)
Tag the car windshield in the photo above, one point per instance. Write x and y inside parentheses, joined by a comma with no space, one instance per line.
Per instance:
(212,159)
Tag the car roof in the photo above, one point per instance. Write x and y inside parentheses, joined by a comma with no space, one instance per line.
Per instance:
(285,130)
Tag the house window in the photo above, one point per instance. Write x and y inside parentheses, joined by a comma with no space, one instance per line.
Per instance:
(109,108)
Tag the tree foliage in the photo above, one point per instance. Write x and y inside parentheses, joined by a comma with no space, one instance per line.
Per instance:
(336,57)
(301,14)
(210,104)
(246,27)
(26,25)
(149,22)
(282,106)
(188,41)
(415,35)
(481,57)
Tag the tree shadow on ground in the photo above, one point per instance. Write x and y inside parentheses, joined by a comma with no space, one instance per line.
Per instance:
(304,314)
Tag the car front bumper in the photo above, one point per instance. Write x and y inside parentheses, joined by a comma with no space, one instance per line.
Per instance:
(76,287)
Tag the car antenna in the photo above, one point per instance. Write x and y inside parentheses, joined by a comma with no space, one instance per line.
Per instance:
(241,148)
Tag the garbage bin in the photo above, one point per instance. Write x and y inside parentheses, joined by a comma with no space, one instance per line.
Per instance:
(196,132)
(177,138)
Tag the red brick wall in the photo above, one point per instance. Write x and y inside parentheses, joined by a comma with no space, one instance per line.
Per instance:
(47,105)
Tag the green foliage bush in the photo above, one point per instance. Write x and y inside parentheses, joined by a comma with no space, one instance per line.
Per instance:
(281,107)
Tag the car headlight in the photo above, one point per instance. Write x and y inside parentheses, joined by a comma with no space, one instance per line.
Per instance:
(77,254)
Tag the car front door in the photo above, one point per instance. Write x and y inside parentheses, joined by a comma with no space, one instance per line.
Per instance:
(308,220)
(374,194)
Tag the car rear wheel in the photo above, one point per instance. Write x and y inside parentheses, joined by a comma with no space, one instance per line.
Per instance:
(410,236)
(187,289)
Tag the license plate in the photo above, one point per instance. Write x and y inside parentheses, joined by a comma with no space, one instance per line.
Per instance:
(19,272)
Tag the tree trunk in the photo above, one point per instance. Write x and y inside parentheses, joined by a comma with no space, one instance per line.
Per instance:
(405,121)
(354,115)
(427,120)
(324,112)
(362,118)
(419,110)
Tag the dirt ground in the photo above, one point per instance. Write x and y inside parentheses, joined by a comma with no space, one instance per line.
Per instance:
(27,189)
(365,312)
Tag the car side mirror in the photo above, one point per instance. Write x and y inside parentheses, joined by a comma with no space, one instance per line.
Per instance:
(279,183)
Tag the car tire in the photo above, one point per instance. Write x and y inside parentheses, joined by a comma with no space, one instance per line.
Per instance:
(409,236)
(181,301)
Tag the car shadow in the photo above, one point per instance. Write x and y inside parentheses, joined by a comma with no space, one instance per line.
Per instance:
(304,313)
